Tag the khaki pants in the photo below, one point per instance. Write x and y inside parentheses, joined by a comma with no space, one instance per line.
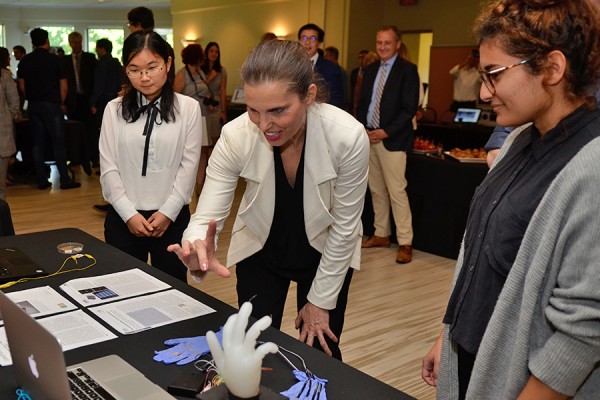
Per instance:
(387,182)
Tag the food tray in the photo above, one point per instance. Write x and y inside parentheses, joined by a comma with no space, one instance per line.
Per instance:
(467,160)
(425,151)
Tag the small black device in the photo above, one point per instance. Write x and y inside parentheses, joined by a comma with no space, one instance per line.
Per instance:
(187,384)
(209,101)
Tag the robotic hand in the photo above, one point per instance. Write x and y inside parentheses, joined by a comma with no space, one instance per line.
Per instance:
(184,350)
(239,360)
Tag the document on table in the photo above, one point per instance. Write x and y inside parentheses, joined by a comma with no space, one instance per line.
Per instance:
(40,301)
(110,287)
(151,311)
(73,329)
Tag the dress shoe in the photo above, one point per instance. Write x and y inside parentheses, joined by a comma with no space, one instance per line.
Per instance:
(103,208)
(376,241)
(404,255)
(44,185)
(70,185)
(87,168)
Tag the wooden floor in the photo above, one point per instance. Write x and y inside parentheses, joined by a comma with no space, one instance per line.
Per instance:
(393,314)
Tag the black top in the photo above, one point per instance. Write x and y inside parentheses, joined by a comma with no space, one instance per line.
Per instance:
(499,215)
(42,73)
(287,250)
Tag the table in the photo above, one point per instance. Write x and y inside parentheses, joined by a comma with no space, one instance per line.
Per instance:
(456,135)
(345,382)
(440,193)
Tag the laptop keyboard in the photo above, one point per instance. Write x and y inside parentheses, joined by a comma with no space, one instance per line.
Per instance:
(83,387)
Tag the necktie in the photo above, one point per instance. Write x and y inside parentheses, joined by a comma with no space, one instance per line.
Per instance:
(380,85)
(77,68)
(153,112)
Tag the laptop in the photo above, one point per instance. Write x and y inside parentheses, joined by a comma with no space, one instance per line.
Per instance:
(14,265)
(467,116)
(39,365)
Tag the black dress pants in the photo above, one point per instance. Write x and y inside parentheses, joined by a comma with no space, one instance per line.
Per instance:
(116,233)
(268,291)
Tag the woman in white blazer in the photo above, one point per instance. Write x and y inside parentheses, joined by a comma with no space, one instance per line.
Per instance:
(305,164)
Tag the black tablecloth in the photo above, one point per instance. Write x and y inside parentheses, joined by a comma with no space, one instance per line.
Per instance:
(451,136)
(440,193)
(345,382)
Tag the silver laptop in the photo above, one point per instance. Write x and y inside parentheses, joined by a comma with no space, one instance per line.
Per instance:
(39,365)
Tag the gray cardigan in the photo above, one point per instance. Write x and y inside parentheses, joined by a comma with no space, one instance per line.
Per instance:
(547,319)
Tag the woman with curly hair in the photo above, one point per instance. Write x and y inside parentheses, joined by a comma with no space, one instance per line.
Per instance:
(523,319)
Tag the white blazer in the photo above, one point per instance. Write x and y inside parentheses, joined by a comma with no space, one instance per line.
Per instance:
(336,160)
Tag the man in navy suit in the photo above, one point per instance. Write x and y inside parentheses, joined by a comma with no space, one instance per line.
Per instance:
(311,37)
(388,101)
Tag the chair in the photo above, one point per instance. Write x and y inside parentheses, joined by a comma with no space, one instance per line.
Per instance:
(6,225)
(428,116)
(447,118)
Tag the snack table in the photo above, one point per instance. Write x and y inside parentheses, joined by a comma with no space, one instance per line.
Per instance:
(345,382)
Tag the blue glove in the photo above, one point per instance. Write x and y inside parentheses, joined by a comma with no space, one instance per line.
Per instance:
(308,387)
(185,350)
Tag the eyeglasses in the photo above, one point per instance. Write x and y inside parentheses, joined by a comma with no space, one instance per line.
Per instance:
(150,72)
(307,38)
(488,77)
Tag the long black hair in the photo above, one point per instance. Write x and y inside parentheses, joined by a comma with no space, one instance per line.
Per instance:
(135,43)
(206,63)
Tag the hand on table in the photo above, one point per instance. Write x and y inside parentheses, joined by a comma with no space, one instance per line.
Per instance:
(160,222)
(239,360)
(139,227)
(199,256)
(315,324)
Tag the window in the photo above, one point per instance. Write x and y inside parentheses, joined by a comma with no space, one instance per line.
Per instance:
(166,33)
(2,43)
(115,35)
(58,36)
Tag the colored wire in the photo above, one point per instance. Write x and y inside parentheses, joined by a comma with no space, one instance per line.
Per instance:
(61,270)
(23,395)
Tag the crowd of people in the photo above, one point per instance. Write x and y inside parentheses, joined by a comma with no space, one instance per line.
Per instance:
(522,318)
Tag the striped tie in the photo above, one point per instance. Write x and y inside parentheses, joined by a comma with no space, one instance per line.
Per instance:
(380,85)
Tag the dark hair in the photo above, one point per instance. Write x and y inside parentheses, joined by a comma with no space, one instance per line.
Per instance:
(333,51)
(531,29)
(141,16)
(206,64)
(20,48)
(4,57)
(312,27)
(192,54)
(38,36)
(133,45)
(105,44)
(283,61)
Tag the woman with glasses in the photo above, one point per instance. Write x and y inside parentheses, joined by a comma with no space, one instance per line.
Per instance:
(216,78)
(305,166)
(149,151)
(523,319)
(191,81)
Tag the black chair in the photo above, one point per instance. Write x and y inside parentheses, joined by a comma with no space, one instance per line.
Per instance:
(6,225)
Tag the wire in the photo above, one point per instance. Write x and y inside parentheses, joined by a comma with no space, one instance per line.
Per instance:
(61,270)
(23,395)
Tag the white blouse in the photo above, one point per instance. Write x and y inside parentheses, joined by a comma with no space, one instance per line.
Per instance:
(173,157)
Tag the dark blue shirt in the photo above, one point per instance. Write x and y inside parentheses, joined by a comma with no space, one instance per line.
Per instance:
(499,215)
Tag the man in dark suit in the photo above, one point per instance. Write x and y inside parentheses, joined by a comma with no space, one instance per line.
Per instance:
(356,76)
(388,101)
(80,66)
(311,37)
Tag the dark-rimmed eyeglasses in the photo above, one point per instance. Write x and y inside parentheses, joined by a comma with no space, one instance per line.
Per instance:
(488,77)
(307,38)
(150,72)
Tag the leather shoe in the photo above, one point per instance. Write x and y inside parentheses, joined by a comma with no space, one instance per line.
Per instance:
(404,255)
(376,241)
(70,185)
(44,185)
(102,208)
(87,168)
